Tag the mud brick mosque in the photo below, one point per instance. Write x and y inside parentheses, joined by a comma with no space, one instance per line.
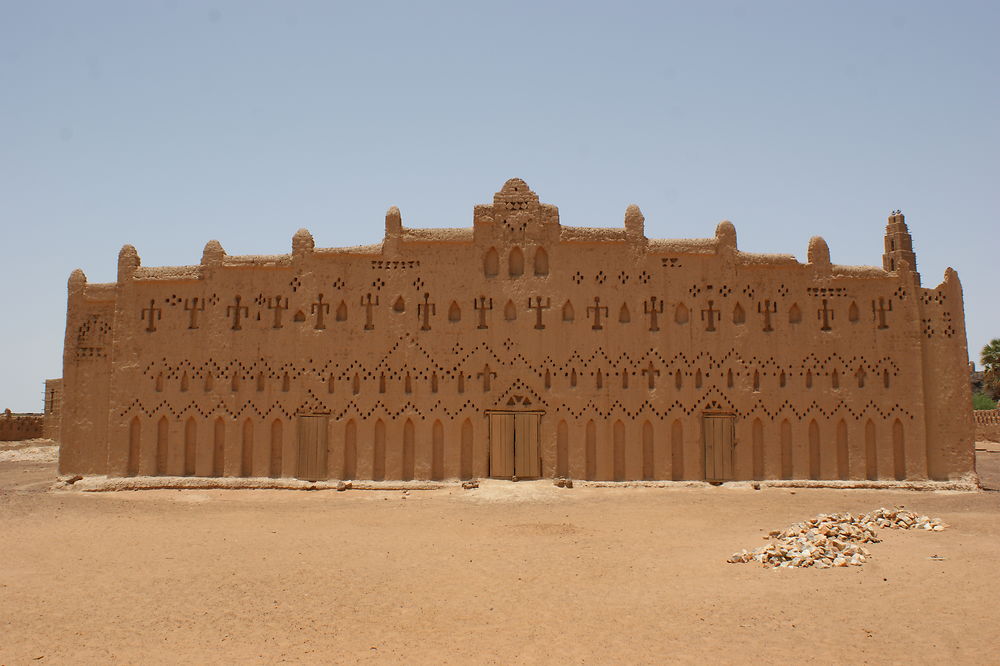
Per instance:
(519,348)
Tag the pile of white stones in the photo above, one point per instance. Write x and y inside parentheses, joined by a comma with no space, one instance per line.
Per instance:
(833,539)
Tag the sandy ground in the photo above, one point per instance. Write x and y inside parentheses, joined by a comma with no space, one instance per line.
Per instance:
(507,573)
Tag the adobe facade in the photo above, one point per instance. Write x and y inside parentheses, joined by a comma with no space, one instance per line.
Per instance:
(519,348)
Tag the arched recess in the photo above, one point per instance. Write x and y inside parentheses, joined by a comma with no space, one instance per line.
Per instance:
(843,451)
(378,459)
(677,450)
(618,437)
(898,451)
(350,450)
(246,454)
(275,458)
(491,263)
(567,312)
(190,446)
(814,450)
(454,312)
(219,448)
(786,449)
(409,454)
(871,451)
(541,262)
(562,449)
(648,461)
(134,437)
(591,451)
(162,450)
(510,311)
(515,262)
(465,462)
(437,451)
(757,435)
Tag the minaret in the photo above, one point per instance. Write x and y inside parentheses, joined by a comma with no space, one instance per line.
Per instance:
(898,245)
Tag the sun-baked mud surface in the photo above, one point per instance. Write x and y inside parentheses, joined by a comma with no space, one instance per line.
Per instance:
(507,573)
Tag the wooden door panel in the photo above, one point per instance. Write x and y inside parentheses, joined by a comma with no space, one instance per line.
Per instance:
(526,460)
(708,442)
(728,427)
(501,445)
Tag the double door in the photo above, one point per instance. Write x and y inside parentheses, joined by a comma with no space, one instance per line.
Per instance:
(514,451)
(312,447)
(719,436)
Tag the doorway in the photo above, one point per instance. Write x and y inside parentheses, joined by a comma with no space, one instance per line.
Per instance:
(312,433)
(719,438)
(514,451)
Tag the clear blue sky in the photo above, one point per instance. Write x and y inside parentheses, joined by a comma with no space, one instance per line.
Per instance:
(165,124)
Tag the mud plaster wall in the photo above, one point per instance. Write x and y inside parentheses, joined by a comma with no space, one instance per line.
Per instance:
(20,426)
(53,409)
(987,425)
(623,343)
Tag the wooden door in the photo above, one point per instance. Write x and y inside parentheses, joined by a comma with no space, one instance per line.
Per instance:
(719,436)
(502,445)
(312,432)
(514,447)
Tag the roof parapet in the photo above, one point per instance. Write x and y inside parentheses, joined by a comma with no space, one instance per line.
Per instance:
(725,237)
(635,223)
(302,243)
(128,263)
(819,254)
(213,254)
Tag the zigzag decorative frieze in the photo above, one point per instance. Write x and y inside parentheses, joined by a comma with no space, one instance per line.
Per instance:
(623,362)
(469,408)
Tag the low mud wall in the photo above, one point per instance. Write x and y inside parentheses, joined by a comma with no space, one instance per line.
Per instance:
(987,425)
(20,426)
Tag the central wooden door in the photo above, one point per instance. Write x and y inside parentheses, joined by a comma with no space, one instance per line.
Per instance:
(514,448)
(312,433)
(719,436)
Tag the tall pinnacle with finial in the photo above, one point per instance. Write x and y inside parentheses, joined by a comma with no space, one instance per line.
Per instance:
(898,253)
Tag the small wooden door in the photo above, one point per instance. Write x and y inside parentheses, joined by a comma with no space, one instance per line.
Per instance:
(312,434)
(514,445)
(719,435)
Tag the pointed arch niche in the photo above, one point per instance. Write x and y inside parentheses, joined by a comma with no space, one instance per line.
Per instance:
(541,262)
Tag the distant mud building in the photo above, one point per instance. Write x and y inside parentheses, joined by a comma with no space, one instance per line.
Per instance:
(15,427)
(519,348)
